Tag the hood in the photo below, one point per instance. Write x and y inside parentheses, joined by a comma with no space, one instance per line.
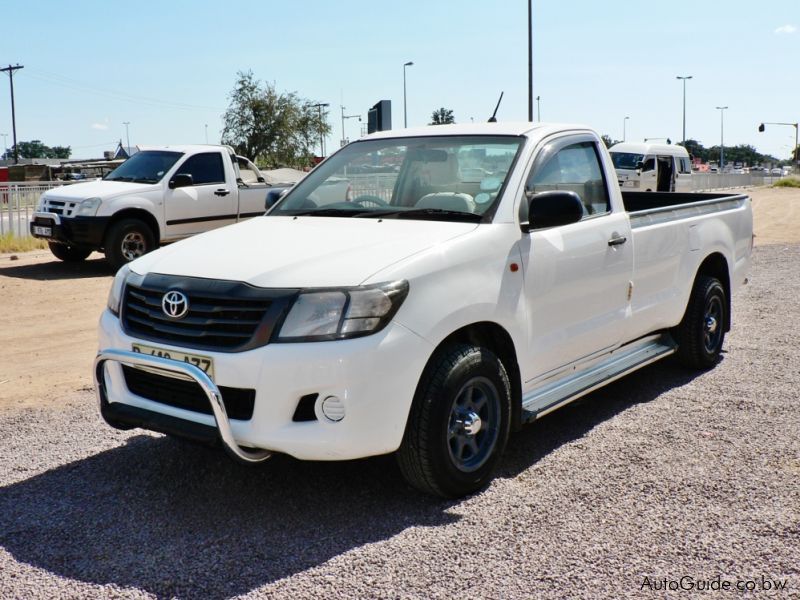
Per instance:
(98,189)
(289,252)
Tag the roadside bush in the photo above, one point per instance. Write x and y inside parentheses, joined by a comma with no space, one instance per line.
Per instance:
(790,182)
(13,243)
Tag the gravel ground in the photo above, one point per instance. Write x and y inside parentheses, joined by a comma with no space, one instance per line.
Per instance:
(664,474)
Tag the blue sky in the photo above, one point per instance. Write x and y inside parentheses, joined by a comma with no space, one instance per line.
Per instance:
(167,67)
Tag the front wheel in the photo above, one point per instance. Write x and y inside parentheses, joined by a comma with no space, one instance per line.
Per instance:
(127,240)
(459,423)
(69,253)
(701,332)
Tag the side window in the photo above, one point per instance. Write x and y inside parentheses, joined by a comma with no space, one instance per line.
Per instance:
(686,166)
(649,164)
(247,171)
(204,168)
(575,168)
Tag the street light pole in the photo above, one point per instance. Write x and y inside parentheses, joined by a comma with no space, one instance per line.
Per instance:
(405,111)
(344,116)
(206,133)
(796,151)
(530,62)
(721,110)
(624,122)
(684,105)
(538,109)
(127,137)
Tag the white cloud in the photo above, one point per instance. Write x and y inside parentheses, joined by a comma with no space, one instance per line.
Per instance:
(100,126)
(786,29)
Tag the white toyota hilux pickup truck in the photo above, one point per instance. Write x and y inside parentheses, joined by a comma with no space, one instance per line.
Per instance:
(158,195)
(496,274)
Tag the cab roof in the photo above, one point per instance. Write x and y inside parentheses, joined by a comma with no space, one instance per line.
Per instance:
(500,128)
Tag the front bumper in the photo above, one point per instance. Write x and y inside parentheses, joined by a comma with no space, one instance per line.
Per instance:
(374,377)
(73,231)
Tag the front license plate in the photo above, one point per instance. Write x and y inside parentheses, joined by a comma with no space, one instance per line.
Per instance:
(205,363)
(39,230)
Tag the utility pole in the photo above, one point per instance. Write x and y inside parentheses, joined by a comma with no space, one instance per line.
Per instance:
(530,62)
(344,116)
(684,78)
(721,110)
(127,137)
(319,106)
(405,109)
(10,70)
(206,133)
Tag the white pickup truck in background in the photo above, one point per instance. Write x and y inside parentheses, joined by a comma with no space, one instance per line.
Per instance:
(158,195)
(428,315)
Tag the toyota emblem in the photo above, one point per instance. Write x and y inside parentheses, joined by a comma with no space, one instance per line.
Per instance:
(175,304)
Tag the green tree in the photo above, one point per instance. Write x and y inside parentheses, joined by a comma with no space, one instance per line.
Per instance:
(695,149)
(608,141)
(442,116)
(36,149)
(275,129)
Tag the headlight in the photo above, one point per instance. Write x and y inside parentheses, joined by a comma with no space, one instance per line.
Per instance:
(319,315)
(115,293)
(88,207)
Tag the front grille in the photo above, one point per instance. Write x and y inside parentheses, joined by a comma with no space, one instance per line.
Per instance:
(180,393)
(60,207)
(225,316)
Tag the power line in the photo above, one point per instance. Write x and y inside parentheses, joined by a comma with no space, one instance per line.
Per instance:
(10,70)
(73,84)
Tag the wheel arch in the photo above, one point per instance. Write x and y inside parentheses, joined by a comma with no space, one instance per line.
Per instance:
(136,213)
(716,265)
(496,338)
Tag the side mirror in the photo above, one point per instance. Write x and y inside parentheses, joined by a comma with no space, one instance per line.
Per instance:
(180,180)
(273,196)
(639,165)
(551,209)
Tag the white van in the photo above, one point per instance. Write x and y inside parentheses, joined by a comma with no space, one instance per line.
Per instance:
(652,167)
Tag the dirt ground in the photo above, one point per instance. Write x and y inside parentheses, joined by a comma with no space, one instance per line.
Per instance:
(49,309)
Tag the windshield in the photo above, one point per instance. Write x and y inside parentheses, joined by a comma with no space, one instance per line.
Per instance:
(456,178)
(148,166)
(626,160)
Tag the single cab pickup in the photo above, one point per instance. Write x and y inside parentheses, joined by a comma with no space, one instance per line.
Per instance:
(429,310)
(158,195)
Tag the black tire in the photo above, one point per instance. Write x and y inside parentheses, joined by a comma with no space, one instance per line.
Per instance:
(127,240)
(702,331)
(69,253)
(442,453)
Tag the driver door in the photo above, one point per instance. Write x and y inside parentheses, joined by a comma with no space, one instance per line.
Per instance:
(208,203)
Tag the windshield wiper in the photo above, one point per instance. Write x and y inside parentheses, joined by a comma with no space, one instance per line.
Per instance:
(323,212)
(125,178)
(144,180)
(438,214)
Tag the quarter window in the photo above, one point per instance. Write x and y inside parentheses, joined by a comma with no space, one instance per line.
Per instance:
(204,168)
(575,168)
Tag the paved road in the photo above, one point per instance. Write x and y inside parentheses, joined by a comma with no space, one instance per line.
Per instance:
(663,475)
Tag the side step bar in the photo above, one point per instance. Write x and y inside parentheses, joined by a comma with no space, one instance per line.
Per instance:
(210,389)
(620,362)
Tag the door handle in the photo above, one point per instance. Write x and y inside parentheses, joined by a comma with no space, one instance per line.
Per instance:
(222,192)
(617,240)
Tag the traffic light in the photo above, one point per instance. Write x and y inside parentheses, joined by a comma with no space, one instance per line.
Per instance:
(761,128)
(379,117)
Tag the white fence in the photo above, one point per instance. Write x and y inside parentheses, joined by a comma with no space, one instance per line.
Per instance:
(18,202)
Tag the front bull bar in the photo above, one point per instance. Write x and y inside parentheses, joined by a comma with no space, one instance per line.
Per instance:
(136,359)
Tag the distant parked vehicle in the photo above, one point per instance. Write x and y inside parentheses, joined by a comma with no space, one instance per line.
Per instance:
(652,167)
(158,195)
(776,171)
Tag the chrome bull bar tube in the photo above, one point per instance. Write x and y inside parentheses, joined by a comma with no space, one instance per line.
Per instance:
(210,389)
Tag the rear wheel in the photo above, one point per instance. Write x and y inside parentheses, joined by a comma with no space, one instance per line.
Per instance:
(459,423)
(127,240)
(702,331)
(69,253)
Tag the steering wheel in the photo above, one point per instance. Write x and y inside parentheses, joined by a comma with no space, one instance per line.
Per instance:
(370,201)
